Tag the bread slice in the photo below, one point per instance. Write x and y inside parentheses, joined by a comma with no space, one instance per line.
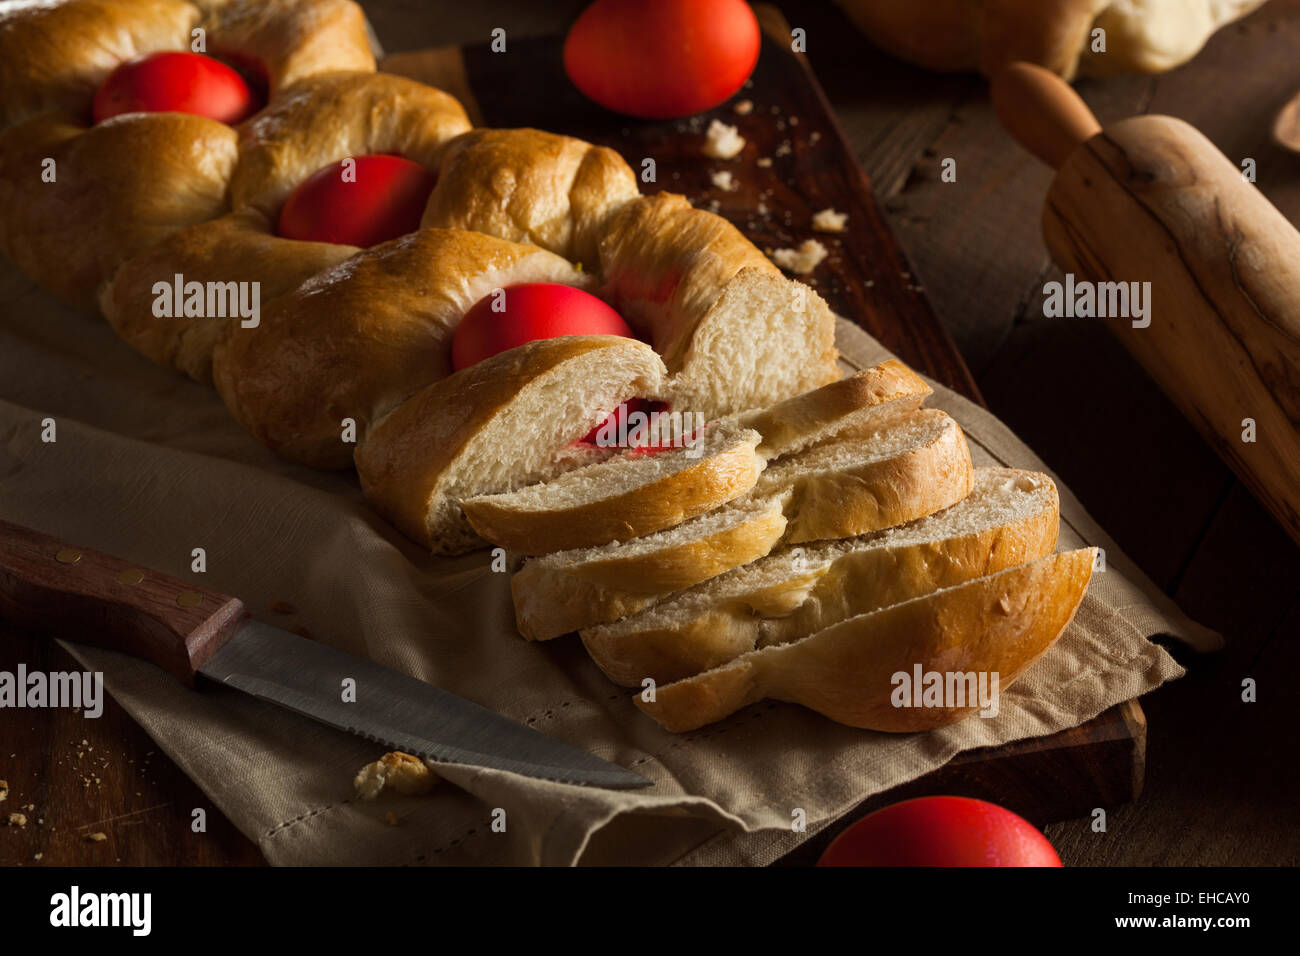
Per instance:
(734,333)
(909,468)
(763,339)
(999,624)
(1009,518)
(569,590)
(505,422)
(918,465)
(633,494)
(869,398)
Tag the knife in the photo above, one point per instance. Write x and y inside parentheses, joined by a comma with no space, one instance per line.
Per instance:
(91,598)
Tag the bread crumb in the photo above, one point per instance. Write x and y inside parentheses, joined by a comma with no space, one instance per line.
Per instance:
(38,856)
(722,141)
(765,161)
(814,136)
(96,837)
(828,220)
(403,773)
(17,820)
(744,107)
(802,260)
(783,148)
(723,179)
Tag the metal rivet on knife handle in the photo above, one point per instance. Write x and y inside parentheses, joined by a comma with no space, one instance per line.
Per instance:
(130,576)
(189,599)
(68,556)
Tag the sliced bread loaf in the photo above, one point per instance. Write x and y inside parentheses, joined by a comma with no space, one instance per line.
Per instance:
(999,624)
(633,494)
(1011,517)
(916,465)
(510,420)
(873,396)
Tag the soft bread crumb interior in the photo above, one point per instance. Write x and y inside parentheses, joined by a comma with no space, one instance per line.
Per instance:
(765,338)
(535,437)
(704,526)
(898,436)
(626,472)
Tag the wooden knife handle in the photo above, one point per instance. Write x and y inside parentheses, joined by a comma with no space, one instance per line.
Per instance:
(1042,111)
(49,586)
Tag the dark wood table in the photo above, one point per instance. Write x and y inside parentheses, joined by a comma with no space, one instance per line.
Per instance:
(1217,791)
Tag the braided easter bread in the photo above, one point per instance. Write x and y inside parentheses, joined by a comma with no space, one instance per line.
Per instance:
(349,359)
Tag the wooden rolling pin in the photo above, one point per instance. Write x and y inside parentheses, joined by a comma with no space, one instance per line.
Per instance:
(1150,199)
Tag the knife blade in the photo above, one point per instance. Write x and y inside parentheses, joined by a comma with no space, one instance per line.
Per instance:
(92,598)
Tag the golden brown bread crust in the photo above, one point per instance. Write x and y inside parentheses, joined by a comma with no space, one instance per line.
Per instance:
(568,591)
(359,338)
(996,624)
(531,186)
(681,565)
(839,502)
(240,244)
(120,187)
(800,421)
(412,461)
(552,601)
(290,40)
(764,338)
(330,117)
(706,298)
(665,502)
(327,104)
(814,505)
(664,263)
(856,583)
(54,56)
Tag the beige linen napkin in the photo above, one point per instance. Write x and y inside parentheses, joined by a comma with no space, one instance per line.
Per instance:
(149,466)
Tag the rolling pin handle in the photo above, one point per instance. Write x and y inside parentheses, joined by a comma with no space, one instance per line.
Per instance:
(1041,111)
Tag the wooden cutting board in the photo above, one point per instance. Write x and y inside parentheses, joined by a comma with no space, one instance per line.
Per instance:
(866,278)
